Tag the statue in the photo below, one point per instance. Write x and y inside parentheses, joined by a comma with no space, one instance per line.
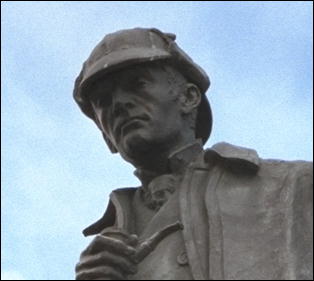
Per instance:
(219,213)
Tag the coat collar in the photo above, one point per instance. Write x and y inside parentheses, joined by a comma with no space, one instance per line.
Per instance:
(236,158)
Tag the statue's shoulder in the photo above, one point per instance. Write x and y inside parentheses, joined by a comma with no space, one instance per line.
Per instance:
(242,159)
(232,157)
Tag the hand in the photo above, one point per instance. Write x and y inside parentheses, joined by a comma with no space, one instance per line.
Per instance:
(108,258)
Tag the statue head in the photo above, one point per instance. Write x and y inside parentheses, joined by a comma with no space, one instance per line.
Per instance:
(143,91)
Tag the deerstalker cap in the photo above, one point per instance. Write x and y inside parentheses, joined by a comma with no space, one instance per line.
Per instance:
(139,45)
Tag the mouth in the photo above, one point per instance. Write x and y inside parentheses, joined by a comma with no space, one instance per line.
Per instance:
(126,125)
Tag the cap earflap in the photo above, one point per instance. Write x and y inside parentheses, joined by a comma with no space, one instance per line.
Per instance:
(111,146)
(109,143)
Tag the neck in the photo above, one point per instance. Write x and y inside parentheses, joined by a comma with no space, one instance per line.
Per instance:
(155,159)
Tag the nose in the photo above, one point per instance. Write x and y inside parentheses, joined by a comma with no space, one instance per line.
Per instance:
(121,103)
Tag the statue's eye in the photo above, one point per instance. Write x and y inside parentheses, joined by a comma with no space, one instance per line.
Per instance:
(101,93)
(102,99)
(139,83)
(105,100)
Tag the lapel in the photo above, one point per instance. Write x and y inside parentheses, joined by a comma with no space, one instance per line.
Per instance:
(193,217)
(118,213)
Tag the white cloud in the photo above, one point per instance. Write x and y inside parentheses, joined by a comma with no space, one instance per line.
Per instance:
(11,275)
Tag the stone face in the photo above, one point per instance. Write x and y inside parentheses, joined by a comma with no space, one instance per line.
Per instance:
(220,213)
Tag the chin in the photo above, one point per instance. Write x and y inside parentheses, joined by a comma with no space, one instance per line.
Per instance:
(141,143)
(135,143)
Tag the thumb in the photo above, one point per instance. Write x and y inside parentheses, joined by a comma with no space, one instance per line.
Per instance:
(133,240)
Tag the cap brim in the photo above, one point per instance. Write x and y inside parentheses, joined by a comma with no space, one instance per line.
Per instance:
(119,59)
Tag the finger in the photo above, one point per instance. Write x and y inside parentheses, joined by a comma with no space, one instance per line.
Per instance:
(101,273)
(126,265)
(101,243)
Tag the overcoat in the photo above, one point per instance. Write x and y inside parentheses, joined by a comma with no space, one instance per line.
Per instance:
(244,218)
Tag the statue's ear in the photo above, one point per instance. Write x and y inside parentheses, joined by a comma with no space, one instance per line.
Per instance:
(190,98)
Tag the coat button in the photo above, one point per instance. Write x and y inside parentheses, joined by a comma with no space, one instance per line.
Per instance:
(182,258)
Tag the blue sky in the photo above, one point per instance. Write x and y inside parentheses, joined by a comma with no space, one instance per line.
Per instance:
(57,172)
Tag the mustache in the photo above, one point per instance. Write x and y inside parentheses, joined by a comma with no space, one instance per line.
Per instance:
(122,121)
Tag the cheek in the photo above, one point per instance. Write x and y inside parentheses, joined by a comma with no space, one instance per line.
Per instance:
(167,116)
